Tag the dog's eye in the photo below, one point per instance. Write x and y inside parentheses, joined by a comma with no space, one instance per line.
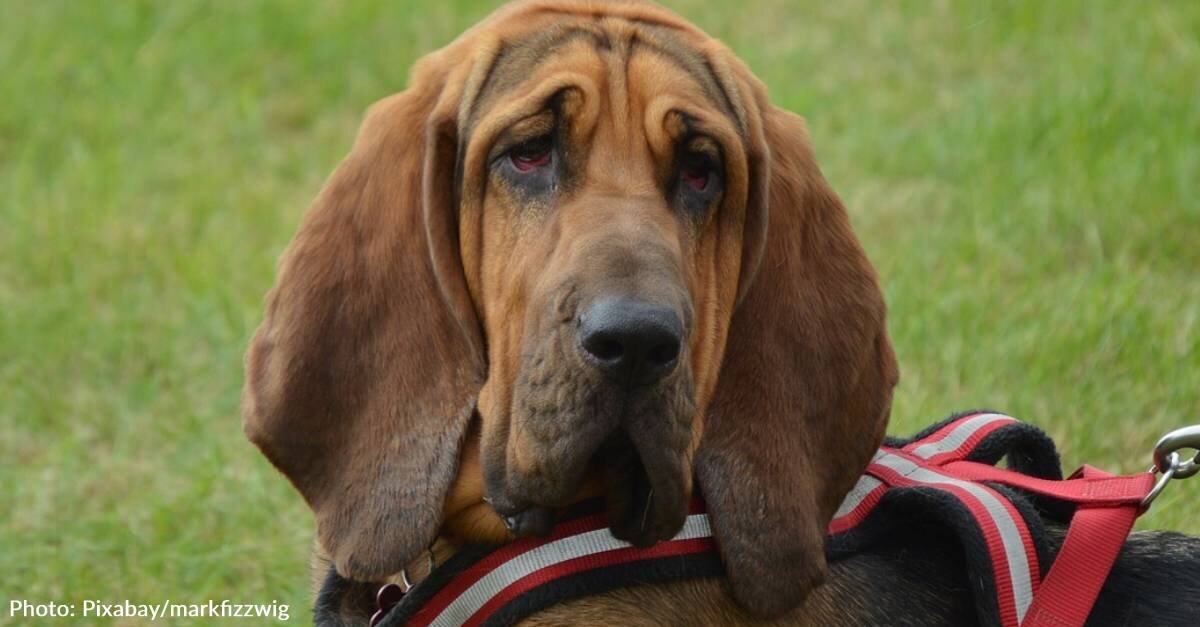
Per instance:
(696,177)
(532,154)
(696,170)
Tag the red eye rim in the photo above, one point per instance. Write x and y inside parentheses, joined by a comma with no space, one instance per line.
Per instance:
(697,178)
(528,162)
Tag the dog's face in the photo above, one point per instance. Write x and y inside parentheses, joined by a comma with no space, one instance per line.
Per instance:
(603,193)
(582,252)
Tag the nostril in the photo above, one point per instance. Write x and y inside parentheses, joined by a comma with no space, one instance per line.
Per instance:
(604,349)
(663,354)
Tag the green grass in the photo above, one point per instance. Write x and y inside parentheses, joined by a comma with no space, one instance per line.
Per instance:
(1025,175)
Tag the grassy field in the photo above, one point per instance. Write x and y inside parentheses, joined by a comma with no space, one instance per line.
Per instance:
(1025,175)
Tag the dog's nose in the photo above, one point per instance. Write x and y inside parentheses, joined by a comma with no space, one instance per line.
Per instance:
(635,342)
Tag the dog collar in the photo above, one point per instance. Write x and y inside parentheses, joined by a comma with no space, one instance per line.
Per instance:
(944,476)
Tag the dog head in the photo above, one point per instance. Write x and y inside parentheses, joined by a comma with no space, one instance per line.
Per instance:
(586,225)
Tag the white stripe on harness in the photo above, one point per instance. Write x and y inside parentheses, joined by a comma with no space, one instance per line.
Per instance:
(1010,536)
(865,485)
(959,435)
(570,547)
(950,442)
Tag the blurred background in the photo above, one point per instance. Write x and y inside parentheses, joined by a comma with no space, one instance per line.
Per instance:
(1024,175)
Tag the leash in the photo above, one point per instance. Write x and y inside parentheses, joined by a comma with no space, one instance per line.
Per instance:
(946,474)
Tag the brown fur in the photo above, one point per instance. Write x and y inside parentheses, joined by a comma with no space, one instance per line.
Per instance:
(418,350)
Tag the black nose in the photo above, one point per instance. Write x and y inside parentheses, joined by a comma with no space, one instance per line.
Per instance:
(636,342)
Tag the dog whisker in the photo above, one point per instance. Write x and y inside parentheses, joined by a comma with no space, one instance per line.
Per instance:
(646,509)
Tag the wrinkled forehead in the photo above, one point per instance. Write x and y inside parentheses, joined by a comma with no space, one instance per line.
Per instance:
(631,63)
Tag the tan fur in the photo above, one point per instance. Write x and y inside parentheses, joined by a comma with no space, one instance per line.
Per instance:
(418,344)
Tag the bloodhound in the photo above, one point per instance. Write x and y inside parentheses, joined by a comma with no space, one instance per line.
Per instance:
(584,255)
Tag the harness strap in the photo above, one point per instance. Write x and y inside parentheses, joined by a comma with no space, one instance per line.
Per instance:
(944,459)
(1094,489)
(957,438)
(944,474)
(1094,540)
(1014,561)
(494,586)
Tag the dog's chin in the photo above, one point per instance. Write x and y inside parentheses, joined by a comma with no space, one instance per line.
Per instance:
(633,447)
(641,511)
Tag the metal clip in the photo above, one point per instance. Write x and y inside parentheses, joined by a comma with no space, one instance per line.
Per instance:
(1168,461)
(409,584)
(1187,437)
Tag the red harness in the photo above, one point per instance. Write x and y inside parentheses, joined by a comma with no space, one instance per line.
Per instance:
(943,461)
(949,469)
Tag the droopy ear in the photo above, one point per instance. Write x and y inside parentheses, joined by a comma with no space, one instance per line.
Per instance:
(361,380)
(805,386)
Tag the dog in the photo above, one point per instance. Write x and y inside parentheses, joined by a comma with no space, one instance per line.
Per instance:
(583,255)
